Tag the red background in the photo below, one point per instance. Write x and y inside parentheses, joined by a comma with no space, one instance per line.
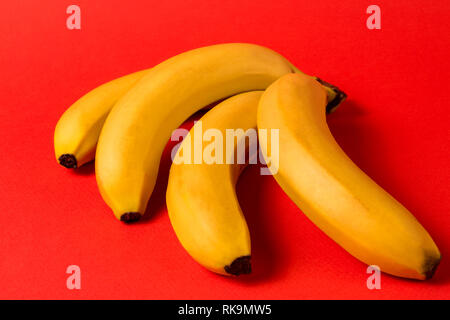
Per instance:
(394,126)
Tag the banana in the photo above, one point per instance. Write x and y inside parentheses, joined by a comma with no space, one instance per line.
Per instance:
(78,129)
(332,191)
(201,198)
(137,129)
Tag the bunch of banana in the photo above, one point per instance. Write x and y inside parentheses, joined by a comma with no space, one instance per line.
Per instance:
(126,124)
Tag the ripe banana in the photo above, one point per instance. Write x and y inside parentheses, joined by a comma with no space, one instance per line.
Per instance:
(78,129)
(201,198)
(332,191)
(137,129)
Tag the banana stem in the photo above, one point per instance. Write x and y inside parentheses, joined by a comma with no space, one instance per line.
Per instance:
(335,95)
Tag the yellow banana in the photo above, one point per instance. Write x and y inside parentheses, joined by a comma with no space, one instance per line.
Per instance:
(136,131)
(78,129)
(332,191)
(201,198)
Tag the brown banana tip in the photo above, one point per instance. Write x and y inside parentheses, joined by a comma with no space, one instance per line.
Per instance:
(68,160)
(241,265)
(339,97)
(430,266)
(130,217)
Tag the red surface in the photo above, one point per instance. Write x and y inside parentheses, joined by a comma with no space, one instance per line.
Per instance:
(394,126)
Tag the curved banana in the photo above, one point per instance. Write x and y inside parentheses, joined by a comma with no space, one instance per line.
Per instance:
(136,131)
(78,129)
(201,198)
(332,191)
